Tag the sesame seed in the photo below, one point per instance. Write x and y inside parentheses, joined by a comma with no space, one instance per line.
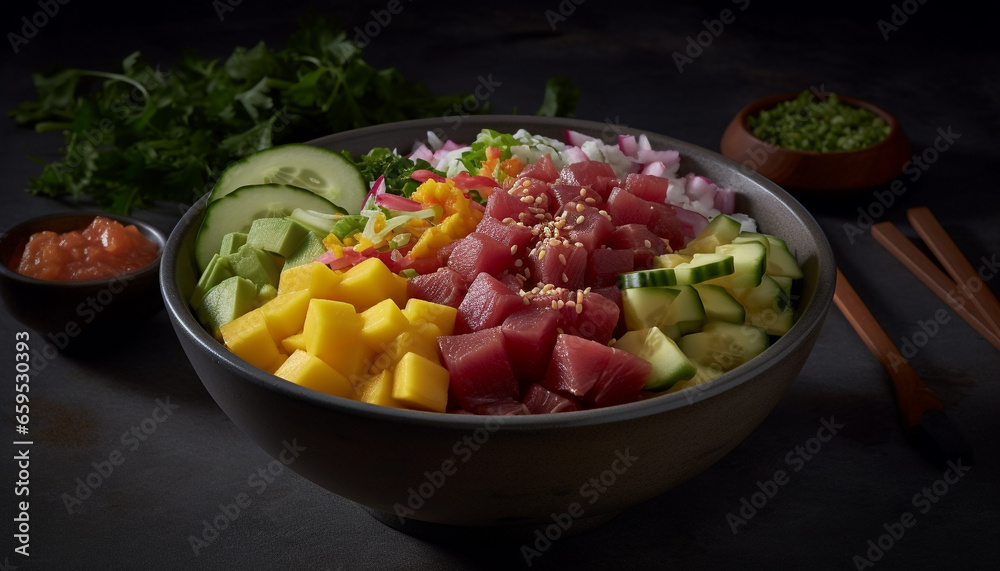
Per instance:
(513,249)
(590,200)
(511,192)
(570,303)
(579,296)
(554,304)
(526,184)
(580,207)
(580,219)
(547,287)
(507,220)
(553,242)
(587,290)
(647,243)
(562,259)
(540,216)
(560,304)
(527,273)
(518,263)
(539,198)
(579,244)
(565,277)
(527,199)
(583,192)
(579,308)
(526,301)
(541,255)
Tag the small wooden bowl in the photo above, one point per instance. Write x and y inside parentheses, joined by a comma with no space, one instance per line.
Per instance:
(811,170)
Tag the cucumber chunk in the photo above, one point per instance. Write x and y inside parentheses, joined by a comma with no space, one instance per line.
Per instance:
(767,295)
(720,304)
(237,210)
(749,260)
(702,267)
(721,230)
(780,261)
(321,171)
(670,365)
(674,310)
(723,346)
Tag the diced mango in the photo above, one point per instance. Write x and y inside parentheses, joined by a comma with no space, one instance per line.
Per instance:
(331,331)
(356,362)
(419,312)
(381,323)
(311,372)
(286,314)
(277,363)
(378,390)
(420,384)
(293,342)
(249,339)
(315,277)
(370,282)
(421,340)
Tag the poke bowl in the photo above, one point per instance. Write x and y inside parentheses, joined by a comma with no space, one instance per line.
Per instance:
(423,472)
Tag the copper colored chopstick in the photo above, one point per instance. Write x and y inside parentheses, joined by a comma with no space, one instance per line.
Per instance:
(912,397)
(956,264)
(921,266)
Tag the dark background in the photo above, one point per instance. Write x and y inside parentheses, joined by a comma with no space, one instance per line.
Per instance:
(939,70)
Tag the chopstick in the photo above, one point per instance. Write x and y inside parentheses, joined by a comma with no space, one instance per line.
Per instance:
(948,254)
(921,266)
(912,397)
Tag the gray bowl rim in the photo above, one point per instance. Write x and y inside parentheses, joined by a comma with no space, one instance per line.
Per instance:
(148,230)
(809,320)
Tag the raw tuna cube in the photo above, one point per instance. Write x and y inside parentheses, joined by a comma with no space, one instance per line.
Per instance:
(445,286)
(478,253)
(564,193)
(588,173)
(558,263)
(541,198)
(542,169)
(626,208)
(503,408)
(620,381)
(479,369)
(596,321)
(444,252)
(487,303)
(647,187)
(540,400)
(614,294)
(530,336)
(503,205)
(509,234)
(641,241)
(594,230)
(511,282)
(604,265)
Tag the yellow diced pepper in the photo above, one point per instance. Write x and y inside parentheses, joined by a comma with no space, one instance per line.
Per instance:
(293,342)
(286,313)
(370,282)
(316,277)
(420,383)
(331,331)
(311,372)
(378,390)
(419,312)
(381,323)
(248,338)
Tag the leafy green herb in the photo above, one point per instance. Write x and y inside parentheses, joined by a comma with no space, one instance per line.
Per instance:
(561,96)
(824,125)
(140,134)
(396,169)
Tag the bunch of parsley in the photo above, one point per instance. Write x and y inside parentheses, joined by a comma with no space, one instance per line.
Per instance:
(141,134)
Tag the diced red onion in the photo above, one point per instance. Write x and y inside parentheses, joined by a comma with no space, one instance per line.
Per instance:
(628,145)
(423,175)
(450,145)
(422,152)
(670,159)
(644,144)
(575,155)
(699,188)
(377,189)
(692,223)
(577,139)
(725,201)
(655,168)
(396,202)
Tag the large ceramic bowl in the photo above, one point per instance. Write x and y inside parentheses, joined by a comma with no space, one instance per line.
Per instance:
(414,469)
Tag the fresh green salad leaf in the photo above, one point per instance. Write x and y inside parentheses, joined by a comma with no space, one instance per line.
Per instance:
(139,134)
(381,161)
(487,138)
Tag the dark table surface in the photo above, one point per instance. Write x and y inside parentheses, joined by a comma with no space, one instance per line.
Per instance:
(936,71)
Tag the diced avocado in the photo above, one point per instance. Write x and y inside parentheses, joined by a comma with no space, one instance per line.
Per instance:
(670,365)
(309,249)
(218,269)
(266,294)
(232,242)
(255,265)
(226,301)
(721,230)
(280,236)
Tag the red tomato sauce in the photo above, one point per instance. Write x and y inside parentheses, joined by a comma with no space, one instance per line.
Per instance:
(102,250)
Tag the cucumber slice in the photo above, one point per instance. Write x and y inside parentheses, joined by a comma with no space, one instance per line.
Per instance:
(702,267)
(767,295)
(721,230)
(675,310)
(780,261)
(720,304)
(236,211)
(749,260)
(321,171)
(723,346)
(670,260)
(670,365)
(745,237)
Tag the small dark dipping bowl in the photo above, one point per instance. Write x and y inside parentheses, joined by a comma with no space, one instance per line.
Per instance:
(75,316)
(441,474)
